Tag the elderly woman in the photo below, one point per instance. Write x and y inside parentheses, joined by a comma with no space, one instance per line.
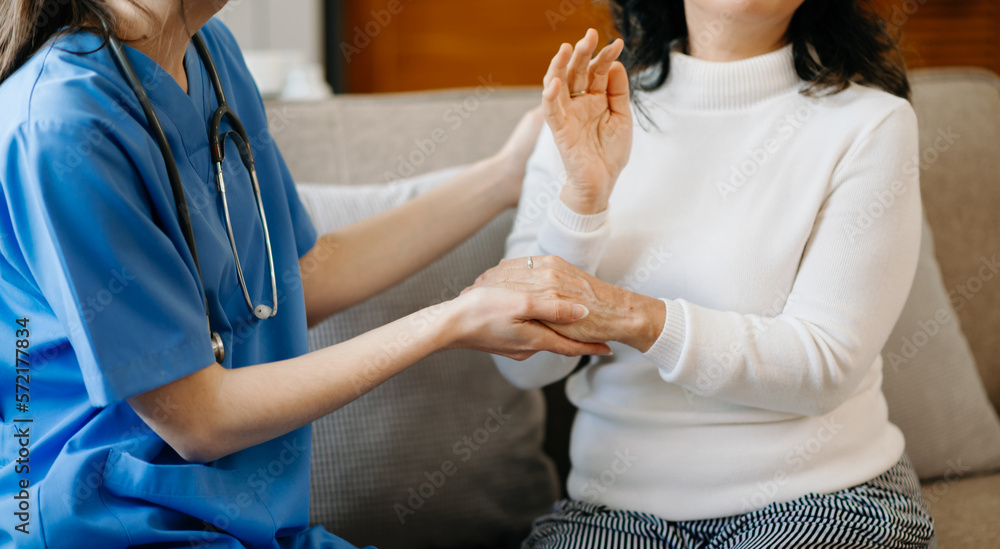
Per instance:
(730,248)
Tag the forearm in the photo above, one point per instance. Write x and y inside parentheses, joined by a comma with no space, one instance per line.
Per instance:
(215,412)
(218,411)
(359,261)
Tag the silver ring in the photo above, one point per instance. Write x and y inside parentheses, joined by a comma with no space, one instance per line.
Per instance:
(531,264)
(577,94)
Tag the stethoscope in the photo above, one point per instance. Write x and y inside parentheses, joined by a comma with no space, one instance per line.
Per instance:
(217,143)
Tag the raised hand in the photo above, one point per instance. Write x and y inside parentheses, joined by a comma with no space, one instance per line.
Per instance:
(586,105)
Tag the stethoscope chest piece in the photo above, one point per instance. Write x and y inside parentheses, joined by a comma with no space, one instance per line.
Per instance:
(217,141)
(218,347)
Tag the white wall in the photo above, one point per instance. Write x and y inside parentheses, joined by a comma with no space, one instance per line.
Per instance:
(277,24)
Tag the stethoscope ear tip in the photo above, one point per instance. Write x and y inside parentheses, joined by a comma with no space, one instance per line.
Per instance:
(263,312)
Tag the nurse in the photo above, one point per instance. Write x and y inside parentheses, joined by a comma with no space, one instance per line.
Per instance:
(122,426)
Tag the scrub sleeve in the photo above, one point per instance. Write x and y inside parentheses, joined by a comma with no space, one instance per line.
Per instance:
(92,249)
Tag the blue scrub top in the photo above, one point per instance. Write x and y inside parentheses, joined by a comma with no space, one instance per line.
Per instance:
(93,257)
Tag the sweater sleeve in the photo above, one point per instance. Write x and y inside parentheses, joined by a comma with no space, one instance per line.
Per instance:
(851,285)
(546,226)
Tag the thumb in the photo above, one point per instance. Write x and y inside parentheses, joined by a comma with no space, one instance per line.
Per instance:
(556,311)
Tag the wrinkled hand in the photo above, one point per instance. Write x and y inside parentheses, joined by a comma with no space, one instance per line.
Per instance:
(586,105)
(615,314)
(517,324)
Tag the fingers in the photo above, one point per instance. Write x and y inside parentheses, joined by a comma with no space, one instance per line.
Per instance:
(576,74)
(555,311)
(565,346)
(557,67)
(601,65)
(618,98)
(554,100)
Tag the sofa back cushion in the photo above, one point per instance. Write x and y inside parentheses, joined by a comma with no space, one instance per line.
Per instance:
(445,454)
(959,112)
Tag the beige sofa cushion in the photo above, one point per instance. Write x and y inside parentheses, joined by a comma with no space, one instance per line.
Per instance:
(931,383)
(445,454)
(961,191)
(965,511)
(358,140)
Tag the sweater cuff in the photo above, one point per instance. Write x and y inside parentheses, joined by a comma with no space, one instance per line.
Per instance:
(579,239)
(666,351)
(577,222)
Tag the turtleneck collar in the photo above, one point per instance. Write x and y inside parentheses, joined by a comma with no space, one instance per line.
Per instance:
(695,84)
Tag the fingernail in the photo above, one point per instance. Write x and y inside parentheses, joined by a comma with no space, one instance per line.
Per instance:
(580,312)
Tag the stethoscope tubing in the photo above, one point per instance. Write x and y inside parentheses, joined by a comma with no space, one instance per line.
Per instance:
(217,147)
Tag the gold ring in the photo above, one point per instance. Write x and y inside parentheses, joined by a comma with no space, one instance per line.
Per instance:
(577,94)
(531,264)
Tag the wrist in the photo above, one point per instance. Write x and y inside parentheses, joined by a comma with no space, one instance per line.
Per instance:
(456,322)
(582,203)
(442,324)
(645,317)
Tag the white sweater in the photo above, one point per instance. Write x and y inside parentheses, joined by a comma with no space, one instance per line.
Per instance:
(782,233)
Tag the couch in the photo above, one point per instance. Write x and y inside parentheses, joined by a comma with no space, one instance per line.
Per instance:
(374,460)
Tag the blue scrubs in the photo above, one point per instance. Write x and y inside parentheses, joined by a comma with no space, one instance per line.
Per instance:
(93,258)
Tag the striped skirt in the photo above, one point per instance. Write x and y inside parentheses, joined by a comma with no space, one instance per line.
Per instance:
(887,512)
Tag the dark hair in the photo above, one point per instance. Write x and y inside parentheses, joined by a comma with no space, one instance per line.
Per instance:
(26,25)
(834,43)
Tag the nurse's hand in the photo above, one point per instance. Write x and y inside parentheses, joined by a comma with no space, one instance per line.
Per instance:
(512,159)
(615,313)
(516,324)
(586,105)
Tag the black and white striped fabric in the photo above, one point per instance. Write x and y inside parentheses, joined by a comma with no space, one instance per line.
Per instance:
(887,512)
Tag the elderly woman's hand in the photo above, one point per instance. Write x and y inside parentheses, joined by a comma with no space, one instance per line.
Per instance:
(616,314)
(586,105)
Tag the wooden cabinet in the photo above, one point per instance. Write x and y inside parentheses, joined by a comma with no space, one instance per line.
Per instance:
(947,32)
(397,45)
(402,45)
